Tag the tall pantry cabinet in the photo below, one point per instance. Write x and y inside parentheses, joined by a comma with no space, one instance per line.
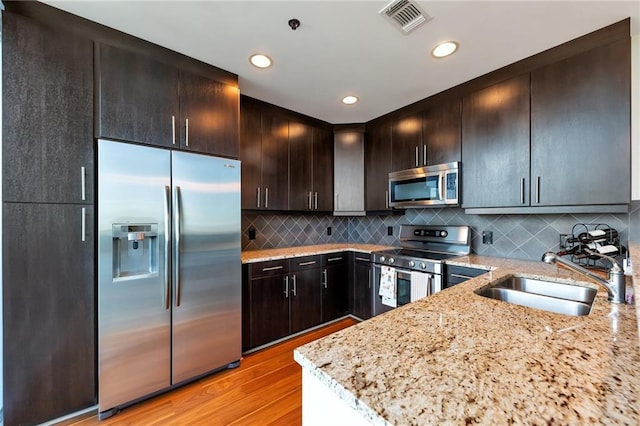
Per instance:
(47,225)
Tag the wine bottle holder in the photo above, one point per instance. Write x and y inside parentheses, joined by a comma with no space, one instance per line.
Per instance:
(611,237)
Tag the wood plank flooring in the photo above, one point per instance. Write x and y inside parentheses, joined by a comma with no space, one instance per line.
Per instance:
(265,390)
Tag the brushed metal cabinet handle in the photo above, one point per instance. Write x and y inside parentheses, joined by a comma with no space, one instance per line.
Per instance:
(309,200)
(294,286)
(312,262)
(258,197)
(334,259)
(173,129)
(369,278)
(386,199)
(167,247)
(272,268)
(83,225)
(315,201)
(266,198)
(466,277)
(522,191)
(176,229)
(286,287)
(364,259)
(324,278)
(83,182)
(538,190)
(186,132)
(417,156)
(424,156)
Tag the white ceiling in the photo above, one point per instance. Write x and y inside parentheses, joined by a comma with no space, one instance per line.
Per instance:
(345,47)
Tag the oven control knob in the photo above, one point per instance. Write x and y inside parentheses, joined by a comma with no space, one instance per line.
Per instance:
(392,260)
(443,233)
(423,265)
(382,258)
(412,264)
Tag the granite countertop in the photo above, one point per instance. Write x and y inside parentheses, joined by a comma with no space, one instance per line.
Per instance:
(252,256)
(458,358)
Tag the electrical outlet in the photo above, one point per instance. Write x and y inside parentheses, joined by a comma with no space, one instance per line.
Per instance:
(487,237)
(328,230)
(564,243)
(252,233)
(389,230)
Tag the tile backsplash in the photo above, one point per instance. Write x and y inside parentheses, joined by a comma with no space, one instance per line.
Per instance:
(514,236)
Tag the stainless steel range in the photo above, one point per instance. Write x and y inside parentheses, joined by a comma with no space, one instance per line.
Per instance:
(416,268)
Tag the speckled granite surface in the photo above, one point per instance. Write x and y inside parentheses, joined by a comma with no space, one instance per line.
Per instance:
(284,253)
(456,357)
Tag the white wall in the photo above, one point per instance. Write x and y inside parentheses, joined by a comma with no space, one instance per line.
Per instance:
(635,117)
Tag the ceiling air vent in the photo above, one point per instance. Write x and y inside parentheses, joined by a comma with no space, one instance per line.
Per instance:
(405,15)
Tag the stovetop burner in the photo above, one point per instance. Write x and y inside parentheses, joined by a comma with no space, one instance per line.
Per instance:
(425,247)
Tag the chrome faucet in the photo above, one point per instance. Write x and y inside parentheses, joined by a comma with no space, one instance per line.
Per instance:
(616,284)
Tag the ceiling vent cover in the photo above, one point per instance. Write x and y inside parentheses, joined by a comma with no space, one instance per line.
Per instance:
(405,15)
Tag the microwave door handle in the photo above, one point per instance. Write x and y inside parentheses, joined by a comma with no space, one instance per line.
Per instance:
(441,188)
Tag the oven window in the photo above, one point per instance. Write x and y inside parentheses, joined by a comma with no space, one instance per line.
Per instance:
(403,287)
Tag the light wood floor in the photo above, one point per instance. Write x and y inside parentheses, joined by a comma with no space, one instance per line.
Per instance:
(265,390)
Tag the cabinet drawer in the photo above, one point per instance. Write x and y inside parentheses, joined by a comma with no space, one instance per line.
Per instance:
(361,257)
(304,262)
(265,269)
(460,274)
(334,259)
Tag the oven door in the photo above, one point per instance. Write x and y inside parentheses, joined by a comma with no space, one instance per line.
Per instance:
(403,288)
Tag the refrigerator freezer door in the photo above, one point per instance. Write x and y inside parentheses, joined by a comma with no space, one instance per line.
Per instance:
(134,316)
(207,284)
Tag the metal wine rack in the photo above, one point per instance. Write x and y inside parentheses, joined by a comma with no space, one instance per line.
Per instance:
(584,259)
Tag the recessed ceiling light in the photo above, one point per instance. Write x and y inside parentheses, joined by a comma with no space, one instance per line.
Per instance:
(261,61)
(349,100)
(444,49)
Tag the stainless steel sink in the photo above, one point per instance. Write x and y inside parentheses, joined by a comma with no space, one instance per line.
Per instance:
(549,296)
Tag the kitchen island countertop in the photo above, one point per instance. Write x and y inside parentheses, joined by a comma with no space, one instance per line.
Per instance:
(456,357)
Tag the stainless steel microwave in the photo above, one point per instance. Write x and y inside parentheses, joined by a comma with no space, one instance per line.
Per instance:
(425,186)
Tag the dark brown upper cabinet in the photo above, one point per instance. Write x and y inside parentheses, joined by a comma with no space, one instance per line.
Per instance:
(264,152)
(143,100)
(300,166)
(322,169)
(47,137)
(408,149)
(495,145)
(377,165)
(441,130)
(580,129)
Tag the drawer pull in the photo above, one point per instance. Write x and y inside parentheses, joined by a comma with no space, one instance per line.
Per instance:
(272,268)
(312,262)
(364,259)
(334,259)
(466,277)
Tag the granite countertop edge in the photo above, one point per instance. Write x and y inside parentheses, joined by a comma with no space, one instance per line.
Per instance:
(264,255)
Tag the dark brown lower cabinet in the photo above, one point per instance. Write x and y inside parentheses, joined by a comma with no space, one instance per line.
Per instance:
(334,286)
(304,297)
(361,287)
(49,330)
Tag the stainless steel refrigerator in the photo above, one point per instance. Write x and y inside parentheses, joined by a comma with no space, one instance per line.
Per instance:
(169,286)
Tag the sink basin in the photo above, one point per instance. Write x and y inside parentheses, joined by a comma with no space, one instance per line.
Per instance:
(549,296)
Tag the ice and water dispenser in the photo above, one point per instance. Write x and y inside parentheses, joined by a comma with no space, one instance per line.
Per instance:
(135,250)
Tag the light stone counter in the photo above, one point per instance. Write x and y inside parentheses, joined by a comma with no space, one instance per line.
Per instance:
(458,358)
(252,256)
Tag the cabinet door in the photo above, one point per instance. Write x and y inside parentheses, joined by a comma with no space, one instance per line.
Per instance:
(407,143)
(250,154)
(275,163)
(580,128)
(495,145)
(362,297)
(334,289)
(377,165)
(49,317)
(209,113)
(47,126)
(269,309)
(300,166)
(137,98)
(349,172)
(305,299)
(442,131)
(322,169)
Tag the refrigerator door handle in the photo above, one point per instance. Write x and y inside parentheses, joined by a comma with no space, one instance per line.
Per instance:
(167,246)
(176,242)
